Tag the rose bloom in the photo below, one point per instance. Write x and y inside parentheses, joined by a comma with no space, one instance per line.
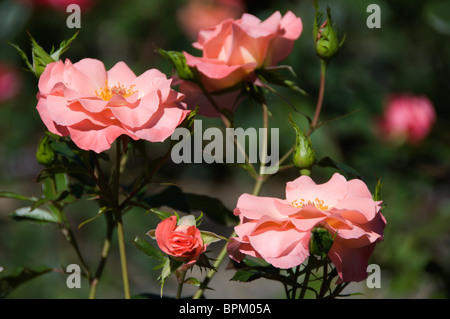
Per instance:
(181,241)
(10,82)
(406,118)
(95,106)
(234,49)
(279,230)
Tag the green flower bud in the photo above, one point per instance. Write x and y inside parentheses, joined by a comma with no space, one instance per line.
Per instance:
(325,36)
(320,242)
(304,155)
(45,154)
(40,57)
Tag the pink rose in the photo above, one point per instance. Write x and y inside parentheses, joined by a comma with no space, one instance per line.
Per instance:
(406,118)
(181,241)
(279,230)
(9,83)
(94,106)
(234,49)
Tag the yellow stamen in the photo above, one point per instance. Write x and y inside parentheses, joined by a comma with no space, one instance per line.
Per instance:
(318,203)
(107,92)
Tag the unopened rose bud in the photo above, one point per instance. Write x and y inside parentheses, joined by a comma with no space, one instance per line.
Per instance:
(325,36)
(320,242)
(45,154)
(304,155)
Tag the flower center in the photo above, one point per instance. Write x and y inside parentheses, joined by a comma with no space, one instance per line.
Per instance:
(107,92)
(318,203)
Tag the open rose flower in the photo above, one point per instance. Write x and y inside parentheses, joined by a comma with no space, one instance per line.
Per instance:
(234,49)
(94,106)
(182,240)
(279,230)
(406,118)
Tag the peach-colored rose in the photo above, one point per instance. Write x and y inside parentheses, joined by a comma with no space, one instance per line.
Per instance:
(95,106)
(406,118)
(200,14)
(232,51)
(181,241)
(279,230)
(235,48)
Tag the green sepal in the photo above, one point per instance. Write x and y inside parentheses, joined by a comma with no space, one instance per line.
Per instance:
(178,61)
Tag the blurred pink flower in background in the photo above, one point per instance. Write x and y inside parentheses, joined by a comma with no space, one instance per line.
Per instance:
(9,82)
(94,106)
(200,14)
(406,118)
(60,4)
(279,230)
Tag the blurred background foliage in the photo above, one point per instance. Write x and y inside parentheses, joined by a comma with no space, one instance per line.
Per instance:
(408,54)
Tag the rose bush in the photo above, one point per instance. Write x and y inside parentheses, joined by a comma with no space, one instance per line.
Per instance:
(94,106)
(279,230)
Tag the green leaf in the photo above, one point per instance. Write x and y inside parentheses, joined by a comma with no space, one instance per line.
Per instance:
(210,237)
(345,169)
(24,57)
(197,283)
(211,207)
(275,75)
(61,182)
(37,215)
(176,199)
(169,266)
(13,278)
(377,193)
(145,247)
(101,211)
(17,196)
(246,275)
(160,213)
(193,281)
